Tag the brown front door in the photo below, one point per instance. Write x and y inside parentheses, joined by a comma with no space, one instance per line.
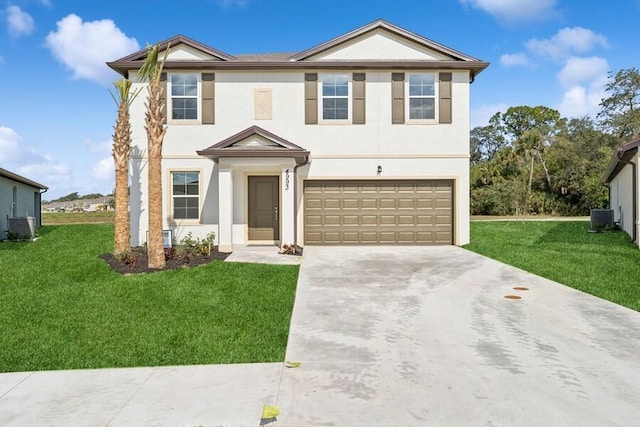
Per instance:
(263,208)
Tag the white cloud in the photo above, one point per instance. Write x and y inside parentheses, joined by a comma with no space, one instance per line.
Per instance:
(46,3)
(19,23)
(480,116)
(580,70)
(84,47)
(513,11)
(567,41)
(104,170)
(10,150)
(515,59)
(584,80)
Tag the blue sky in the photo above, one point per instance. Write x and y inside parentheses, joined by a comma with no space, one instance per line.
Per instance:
(56,114)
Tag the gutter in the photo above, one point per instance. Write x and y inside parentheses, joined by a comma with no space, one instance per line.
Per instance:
(307,159)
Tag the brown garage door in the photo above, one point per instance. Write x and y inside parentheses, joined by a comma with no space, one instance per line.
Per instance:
(374,212)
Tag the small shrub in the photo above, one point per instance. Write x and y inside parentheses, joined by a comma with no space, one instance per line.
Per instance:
(128,257)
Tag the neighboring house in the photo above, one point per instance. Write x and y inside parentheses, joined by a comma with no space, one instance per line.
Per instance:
(19,198)
(363,139)
(623,181)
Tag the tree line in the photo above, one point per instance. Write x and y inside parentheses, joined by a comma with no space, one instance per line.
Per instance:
(531,160)
(75,196)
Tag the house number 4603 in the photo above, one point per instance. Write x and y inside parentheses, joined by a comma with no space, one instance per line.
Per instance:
(286,179)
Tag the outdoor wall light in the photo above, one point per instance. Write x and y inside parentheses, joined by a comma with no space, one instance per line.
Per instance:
(379,169)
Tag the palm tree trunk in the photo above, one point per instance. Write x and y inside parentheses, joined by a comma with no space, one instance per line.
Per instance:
(121,152)
(155,136)
(122,229)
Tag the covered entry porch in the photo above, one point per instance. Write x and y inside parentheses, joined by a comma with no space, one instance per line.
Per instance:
(256,188)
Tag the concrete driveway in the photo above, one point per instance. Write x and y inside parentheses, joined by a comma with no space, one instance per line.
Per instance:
(425,336)
(387,336)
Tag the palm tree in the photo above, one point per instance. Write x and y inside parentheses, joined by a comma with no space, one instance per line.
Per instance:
(121,152)
(154,125)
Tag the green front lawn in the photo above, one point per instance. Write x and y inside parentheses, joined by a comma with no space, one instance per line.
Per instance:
(603,264)
(61,307)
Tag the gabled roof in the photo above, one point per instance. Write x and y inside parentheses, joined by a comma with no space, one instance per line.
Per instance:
(387,26)
(21,179)
(175,41)
(286,61)
(623,154)
(276,147)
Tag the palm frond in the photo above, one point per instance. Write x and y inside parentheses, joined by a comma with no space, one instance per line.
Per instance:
(151,69)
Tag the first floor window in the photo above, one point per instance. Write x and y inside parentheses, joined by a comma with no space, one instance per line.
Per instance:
(422,96)
(184,96)
(335,97)
(186,195)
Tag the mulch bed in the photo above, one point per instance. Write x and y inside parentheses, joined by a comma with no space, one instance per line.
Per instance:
(141,264)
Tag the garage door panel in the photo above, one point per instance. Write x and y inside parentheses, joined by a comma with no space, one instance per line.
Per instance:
(330,220)
(350,220)
(368,219)
(388,220)
(406,219)
(368,203)
(388,237)
(405,203)
(350,203)
(387,203)
(373,212)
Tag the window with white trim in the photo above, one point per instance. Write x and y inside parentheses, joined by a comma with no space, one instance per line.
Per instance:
(335,97)
(185,191)
(184,96)
(422,96)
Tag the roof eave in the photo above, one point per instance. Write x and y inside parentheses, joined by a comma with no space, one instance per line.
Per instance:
(214,154)
(619,160)
(123,67)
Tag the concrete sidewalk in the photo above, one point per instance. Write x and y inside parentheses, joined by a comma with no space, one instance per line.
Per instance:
(211,395)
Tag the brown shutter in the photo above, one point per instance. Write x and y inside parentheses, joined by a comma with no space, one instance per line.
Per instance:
(359,104)
(444,103)
(208,102)
(311,98)
(397,95)
(163,97)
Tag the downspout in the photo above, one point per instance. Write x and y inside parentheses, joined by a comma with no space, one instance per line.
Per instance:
(634,191)
(295,201)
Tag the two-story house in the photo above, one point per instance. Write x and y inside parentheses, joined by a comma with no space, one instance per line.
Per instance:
(363,139)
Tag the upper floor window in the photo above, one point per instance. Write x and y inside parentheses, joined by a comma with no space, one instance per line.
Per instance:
(184,96)
(335,97)
(186,195)
(422,96)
